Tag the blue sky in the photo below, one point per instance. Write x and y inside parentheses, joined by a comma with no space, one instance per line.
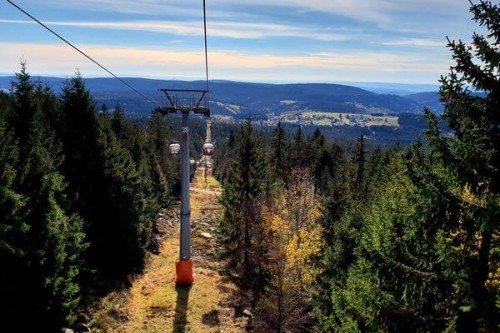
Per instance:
(249,40)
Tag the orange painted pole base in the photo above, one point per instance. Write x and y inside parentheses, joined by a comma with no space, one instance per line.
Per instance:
(184,272)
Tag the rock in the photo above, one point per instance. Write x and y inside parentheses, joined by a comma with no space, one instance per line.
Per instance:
(206,235)
(194,224)
(155,245)
(82,328)
(123,318)
(247,313)
(67,330)
(161,227)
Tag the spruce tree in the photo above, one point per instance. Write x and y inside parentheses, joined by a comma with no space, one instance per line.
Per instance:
(465,170)
(41,237)
(279,145)
(298,157)
(79,136)
(112,191)
(425,255)
(20,119)
(118,123)
(14,228)
(158,136)
(121,212)
(320,159)
(359,160)
(244,186)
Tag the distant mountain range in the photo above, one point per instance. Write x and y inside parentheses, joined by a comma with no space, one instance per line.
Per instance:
(240,99)
(400,89)
(427,99)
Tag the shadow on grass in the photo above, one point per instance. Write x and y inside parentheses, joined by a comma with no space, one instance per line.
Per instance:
(211,318)
(181,308)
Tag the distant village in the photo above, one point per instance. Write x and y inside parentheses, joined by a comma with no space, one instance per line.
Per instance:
(331,119)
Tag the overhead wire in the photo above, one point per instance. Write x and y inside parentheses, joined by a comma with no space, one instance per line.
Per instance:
(206,47)
(86,55)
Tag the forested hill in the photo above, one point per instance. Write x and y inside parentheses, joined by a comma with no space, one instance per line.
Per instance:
(239,99)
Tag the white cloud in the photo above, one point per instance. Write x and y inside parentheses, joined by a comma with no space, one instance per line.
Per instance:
(152,7)
(227,18)
(378,11)
(363,9)
(44,59)
(416,42)
(226,29)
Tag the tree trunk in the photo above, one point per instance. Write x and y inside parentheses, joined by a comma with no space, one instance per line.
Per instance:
(246,242)
(469,322)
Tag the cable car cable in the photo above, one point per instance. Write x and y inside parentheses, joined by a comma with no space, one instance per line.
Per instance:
(206,49)
(81,52)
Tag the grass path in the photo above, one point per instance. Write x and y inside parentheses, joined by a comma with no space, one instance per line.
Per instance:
(155,304)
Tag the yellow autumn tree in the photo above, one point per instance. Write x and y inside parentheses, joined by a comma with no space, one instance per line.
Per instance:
(292,237)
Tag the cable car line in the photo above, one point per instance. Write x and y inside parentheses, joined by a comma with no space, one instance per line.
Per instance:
(83,53)
(206,44)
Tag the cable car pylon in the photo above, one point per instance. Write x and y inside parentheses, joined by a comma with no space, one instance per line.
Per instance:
(185,101)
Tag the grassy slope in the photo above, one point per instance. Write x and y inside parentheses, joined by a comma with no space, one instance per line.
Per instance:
(154,304)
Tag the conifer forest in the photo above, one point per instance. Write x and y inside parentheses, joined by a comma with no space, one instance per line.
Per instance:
(317,234)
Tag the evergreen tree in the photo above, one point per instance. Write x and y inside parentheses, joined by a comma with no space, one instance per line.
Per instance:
(388,276)
(359,160)
(465,169)
(128,135)
(41,239)
(320,160)
(121,213)
(104,111)
(278,144)
(118,120)
(159,134)
(231,140)
(298,157)
(112,191)
(13,230)
(245,184)
(79,132)
(20,119)
(375,164)
(424,255)
(59,161)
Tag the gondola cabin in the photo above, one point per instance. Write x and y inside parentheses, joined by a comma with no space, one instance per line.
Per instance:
(174,149)
(208,149)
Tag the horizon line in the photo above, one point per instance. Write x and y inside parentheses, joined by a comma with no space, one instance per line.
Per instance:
(224,80)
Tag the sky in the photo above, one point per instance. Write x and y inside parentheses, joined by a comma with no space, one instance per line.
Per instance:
(401,41)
